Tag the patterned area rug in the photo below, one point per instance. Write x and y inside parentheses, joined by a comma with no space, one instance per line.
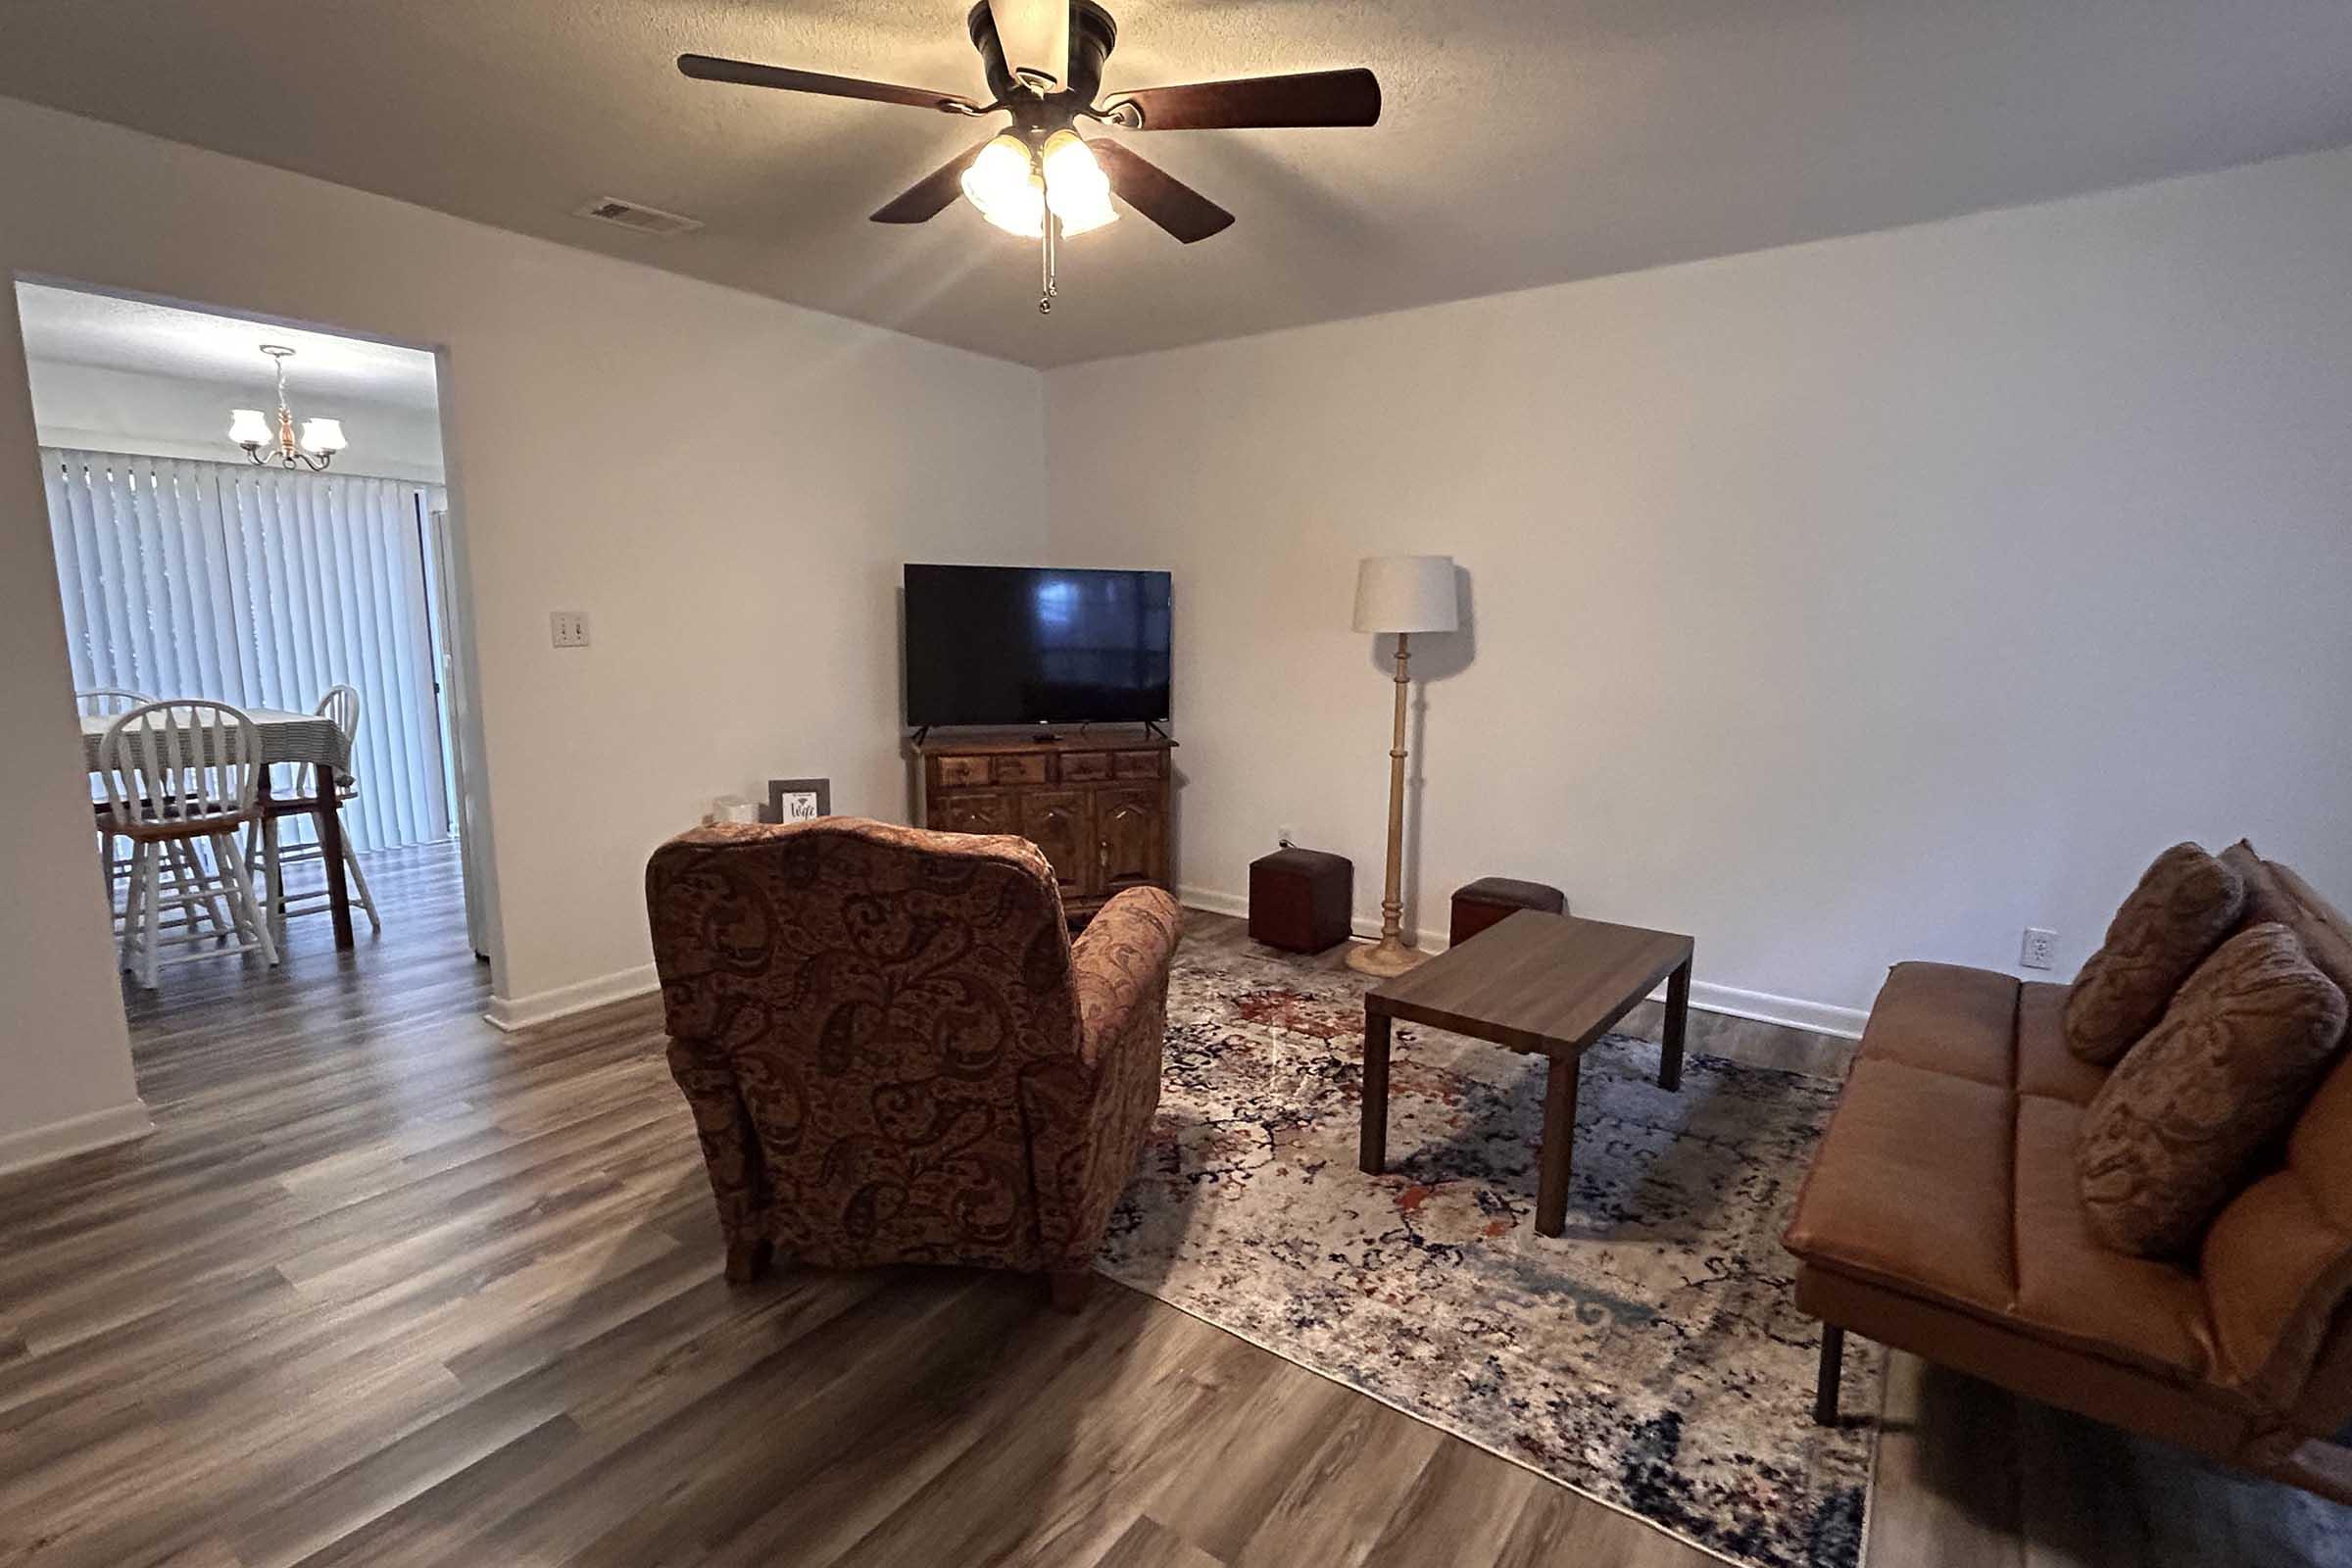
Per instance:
(1649,1358)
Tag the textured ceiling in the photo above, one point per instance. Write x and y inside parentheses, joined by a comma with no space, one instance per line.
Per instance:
(1524,141)
(75,328)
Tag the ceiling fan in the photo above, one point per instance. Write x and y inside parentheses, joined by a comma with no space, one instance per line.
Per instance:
(1039,179)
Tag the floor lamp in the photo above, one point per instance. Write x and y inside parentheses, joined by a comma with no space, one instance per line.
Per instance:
(1403,595)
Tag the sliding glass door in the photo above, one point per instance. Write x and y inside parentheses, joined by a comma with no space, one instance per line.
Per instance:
(263,588)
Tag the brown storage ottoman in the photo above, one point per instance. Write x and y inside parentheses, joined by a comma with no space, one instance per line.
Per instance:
(1299,900)
(1489,899)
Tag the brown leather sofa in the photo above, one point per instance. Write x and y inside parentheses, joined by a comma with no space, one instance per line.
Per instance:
(1941,1216)
(894,1050)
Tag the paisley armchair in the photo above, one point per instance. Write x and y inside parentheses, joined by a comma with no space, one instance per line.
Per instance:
(895,1052)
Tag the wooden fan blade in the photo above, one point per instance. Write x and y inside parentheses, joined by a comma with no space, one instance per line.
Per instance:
(1157,194)
(744,74)
(929,196)
(1314,98)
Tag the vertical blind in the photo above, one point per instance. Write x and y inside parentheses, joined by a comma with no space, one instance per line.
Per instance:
(262,588)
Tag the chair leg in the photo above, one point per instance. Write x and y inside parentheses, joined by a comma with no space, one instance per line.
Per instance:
(249,912)
(151,915)
(748,1258)
(133,889)
(358,886)
(1068,1287)
(1833,1365)
(205,887)
(274,874)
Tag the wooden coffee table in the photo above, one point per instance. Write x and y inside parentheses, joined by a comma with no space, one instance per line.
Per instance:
(1547,984)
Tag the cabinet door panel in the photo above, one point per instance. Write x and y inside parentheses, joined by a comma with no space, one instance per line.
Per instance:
(1060,822)
(974,811)
(1132,830)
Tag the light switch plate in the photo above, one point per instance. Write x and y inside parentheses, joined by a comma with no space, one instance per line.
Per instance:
(569,628)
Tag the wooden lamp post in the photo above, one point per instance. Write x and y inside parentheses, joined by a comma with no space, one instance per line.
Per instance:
(1403,595)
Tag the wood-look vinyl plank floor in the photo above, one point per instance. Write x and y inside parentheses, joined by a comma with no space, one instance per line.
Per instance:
(388,1286)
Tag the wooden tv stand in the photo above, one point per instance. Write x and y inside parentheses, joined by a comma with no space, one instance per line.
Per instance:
(1096,800)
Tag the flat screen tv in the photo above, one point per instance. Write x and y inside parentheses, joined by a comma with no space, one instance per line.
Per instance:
(1036,645)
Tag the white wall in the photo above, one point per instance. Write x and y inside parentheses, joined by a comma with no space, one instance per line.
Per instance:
(64,1056)
(727,484)
(99,408)
(1842,603)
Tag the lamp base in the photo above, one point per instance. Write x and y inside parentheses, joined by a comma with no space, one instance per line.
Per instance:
(1388,957)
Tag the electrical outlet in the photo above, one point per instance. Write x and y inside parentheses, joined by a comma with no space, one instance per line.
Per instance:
(2041,948)
(568,628)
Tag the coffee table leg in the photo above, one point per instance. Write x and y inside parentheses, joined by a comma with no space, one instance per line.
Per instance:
(1372,1148)
(1560,1140)
(1678,1022)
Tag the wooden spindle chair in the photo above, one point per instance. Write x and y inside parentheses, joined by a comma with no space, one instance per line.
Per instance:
(179,775)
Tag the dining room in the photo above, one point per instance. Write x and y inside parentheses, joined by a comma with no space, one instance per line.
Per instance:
(249,523)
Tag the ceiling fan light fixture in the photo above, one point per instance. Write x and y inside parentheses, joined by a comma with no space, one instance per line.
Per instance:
(1002,182)
(1076,187)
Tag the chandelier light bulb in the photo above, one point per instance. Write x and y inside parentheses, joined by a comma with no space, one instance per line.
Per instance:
(1075,184)
(1002,182)
(248,429)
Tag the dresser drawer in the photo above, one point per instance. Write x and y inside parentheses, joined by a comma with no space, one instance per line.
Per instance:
(1085,767)
(1020,769)
(960,772)
(1137,764)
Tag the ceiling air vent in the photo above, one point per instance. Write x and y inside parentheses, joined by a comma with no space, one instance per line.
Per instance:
(635,215)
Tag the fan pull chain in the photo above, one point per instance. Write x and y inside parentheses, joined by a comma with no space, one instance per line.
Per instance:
(1047,289)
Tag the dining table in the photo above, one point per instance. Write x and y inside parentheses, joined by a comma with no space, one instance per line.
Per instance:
(298,739)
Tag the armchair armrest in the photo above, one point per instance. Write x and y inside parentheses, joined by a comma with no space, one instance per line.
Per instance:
(1088,1114)
(1119,975)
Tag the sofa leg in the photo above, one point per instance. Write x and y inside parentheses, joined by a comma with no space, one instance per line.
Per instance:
(1832,1363)
(1068,1287)
(748,1258)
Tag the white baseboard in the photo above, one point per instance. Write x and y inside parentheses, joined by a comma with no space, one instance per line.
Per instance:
(75,1135)
(1821,1017)
(511,1013)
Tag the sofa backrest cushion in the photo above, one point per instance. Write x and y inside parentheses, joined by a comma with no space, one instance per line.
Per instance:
(2181,1122)
(2323,932)
(2185,905)
(2278,1271)
(2277,1261)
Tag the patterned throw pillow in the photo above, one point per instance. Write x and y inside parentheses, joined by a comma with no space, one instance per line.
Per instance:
(2174,1131)
(2185,906)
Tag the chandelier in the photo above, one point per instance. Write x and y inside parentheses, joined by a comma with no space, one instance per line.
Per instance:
(249,428)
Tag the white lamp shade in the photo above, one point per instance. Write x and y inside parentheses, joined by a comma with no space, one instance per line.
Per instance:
(1405,593)
(1076,188)
(322,436)
(247,429)
(1003,183)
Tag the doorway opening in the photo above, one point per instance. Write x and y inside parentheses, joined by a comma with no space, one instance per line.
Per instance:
(253,520)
